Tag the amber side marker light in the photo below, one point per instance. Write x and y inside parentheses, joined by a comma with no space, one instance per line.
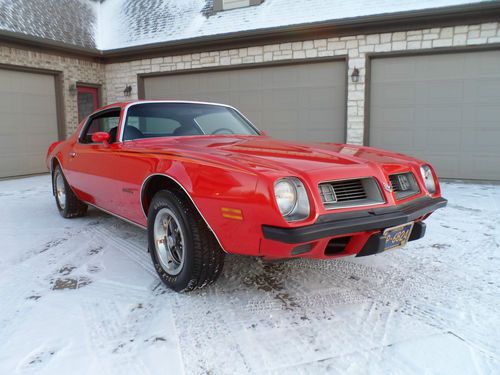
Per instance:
(232,213)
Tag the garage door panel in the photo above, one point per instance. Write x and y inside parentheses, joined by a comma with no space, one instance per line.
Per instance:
(29,121)
(487,115)
(437,67)
(439,92)
(393,94)
(321,98)
(280,99)
(445,141)
(484,91)
(397,140)
(252,99)
(456,108)
(482,166)
(395,115)
(483,139)
(323,75)
(446,165)
(443,115)
(487,67)
(394,71)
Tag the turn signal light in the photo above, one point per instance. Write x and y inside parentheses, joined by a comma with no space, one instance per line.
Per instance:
(232,213)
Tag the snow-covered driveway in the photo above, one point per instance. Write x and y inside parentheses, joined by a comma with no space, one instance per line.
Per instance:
(81,297)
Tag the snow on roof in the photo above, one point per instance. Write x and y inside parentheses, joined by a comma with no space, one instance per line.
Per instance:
(115,24)
(67,21)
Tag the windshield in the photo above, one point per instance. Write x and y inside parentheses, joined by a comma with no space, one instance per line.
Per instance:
(150,120)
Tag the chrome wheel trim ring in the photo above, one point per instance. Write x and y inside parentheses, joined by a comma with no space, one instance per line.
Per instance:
(60,190)
(169,241)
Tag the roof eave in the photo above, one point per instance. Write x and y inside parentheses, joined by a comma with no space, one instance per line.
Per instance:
(45,44)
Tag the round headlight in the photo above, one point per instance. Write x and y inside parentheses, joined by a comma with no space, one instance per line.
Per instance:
(430,184)
(286,196)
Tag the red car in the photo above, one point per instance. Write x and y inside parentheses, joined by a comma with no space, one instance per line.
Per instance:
(204,182)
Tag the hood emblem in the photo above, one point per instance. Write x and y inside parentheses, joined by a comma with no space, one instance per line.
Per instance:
(388,188)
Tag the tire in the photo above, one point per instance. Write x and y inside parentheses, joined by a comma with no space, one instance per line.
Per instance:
(67,203)
(184,251)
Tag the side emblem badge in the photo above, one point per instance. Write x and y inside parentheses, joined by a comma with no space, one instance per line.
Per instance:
(388,188)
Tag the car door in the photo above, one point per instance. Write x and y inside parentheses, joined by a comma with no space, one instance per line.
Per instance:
(94,167)
(150,125)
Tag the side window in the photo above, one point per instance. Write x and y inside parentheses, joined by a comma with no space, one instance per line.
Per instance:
(107,122)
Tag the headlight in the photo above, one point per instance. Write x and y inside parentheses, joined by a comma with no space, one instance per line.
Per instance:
(430,184)
(286,196)
(291,197)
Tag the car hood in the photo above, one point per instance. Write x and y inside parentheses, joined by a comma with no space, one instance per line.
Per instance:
(262,153)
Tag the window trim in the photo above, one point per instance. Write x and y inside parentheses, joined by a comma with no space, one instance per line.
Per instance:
(92,117)
(219,5)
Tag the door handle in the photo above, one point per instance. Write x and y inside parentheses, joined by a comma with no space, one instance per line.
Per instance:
(72,154)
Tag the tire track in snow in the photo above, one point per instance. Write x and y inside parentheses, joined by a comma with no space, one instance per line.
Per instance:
(106,330)
(31,281)
(134,252)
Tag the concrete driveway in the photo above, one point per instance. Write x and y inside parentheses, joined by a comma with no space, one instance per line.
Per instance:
(80,296)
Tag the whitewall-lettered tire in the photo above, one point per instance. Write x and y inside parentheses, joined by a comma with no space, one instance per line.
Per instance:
(184,251)
(67,202)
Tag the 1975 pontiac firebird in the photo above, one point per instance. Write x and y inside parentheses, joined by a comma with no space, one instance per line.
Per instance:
(204,182)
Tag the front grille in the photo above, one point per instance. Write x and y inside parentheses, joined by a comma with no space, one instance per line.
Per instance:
(404,185)
(348,190)
(349,193)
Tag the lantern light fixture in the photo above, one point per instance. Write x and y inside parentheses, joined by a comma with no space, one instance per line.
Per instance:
(128,90)
(355,75)
(72,89)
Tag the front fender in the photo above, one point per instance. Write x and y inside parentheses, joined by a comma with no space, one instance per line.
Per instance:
(51,153)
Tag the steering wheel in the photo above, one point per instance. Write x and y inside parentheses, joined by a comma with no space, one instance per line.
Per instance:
(223,131)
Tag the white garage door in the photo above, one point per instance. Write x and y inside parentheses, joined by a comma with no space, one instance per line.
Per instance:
(442,108)
(295,102)
(28,122)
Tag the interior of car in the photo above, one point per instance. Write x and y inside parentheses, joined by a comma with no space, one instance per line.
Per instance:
(151,120)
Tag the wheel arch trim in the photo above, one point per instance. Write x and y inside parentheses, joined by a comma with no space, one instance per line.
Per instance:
(52,161)
(176,182)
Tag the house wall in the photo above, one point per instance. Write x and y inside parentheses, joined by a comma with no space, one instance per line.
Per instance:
(70,69)
(356,47)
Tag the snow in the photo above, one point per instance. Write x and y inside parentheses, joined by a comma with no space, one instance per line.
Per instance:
(116,24)
(80,296)
(128,23)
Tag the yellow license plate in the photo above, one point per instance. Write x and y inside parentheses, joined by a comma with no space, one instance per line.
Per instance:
(397,236)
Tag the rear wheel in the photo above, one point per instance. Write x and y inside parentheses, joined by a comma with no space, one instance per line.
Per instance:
(184,251)
(67,202)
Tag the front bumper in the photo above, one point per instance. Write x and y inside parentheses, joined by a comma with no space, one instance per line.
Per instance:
(338,224)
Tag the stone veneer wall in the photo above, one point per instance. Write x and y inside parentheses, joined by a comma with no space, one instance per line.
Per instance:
(73,70)
(355,47)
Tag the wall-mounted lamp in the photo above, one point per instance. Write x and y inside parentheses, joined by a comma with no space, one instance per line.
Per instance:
(72,89)
(355,75)
(128,90)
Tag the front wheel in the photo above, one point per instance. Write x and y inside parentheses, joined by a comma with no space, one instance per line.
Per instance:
(184,251)
(67,202)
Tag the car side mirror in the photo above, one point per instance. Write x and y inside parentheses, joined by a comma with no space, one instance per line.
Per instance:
(100,137)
